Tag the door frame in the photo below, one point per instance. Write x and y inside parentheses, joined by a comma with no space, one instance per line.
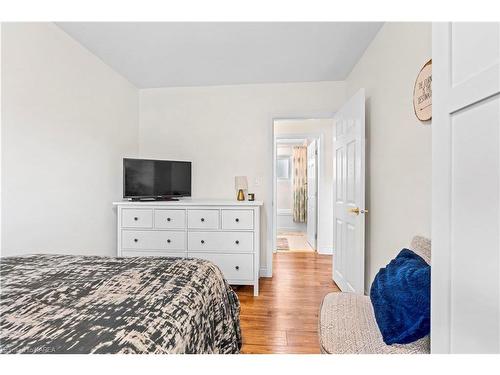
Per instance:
(315,156)
(270,240)
(319,137)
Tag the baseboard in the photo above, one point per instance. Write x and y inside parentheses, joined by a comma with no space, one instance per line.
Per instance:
(263,272)
(325,250)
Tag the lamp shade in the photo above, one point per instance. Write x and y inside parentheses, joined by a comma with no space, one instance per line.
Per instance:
(240,182)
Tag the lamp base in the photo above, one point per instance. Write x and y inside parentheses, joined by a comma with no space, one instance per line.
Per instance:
(241,196)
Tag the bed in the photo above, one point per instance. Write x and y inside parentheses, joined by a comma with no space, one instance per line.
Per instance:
(85,304)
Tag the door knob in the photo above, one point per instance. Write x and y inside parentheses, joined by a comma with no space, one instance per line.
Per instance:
(357,211)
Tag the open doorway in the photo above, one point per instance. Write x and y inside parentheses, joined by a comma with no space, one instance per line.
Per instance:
(302,185)
(296,193)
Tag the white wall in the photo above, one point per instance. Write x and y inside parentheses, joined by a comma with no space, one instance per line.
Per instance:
(227,131)
(398,169)
(322,128)
(67,120)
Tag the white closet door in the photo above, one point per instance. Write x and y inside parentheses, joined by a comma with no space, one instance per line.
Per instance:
(466,188)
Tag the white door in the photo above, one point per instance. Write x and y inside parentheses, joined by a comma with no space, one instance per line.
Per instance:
(312,194)
(465,304)
(349,195)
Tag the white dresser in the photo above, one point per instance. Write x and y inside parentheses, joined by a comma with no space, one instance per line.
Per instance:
(224,232)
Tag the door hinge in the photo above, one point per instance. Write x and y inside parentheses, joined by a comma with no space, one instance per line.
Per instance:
(315,236)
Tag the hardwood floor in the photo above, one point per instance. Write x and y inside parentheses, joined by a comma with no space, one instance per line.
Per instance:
(284,317)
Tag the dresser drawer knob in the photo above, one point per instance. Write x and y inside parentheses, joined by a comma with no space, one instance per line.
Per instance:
(202,242)
(168,241)
(168,219)
(237,220)
(202,219)
(135,240)
(237,268)
(136,218)
(237,242)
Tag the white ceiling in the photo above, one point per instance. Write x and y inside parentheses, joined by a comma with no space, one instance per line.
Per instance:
(169,54)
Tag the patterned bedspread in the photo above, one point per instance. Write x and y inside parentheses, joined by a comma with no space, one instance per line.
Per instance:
(74,304)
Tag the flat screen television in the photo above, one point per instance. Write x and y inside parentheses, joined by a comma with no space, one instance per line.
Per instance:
(156,179)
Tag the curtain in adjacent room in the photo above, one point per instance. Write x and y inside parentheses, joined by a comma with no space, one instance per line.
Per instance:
(299,184)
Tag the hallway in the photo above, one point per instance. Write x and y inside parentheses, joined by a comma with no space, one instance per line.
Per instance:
(292,241)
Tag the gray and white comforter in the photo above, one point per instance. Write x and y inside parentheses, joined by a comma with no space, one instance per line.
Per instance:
(74,304)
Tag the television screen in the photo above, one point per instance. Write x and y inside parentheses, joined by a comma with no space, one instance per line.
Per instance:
(156,178)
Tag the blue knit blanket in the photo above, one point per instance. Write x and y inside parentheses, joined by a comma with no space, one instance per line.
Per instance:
(400,296)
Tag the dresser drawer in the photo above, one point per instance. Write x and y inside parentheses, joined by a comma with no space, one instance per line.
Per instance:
(234,242)
(137,218)
(153,240)
(203,219)
(170,219)
(233,266)
(237,219)
(152,253)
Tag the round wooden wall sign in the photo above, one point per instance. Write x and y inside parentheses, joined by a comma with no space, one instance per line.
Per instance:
(422,93)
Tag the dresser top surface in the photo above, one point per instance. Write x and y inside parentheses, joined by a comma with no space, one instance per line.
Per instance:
(190,202)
